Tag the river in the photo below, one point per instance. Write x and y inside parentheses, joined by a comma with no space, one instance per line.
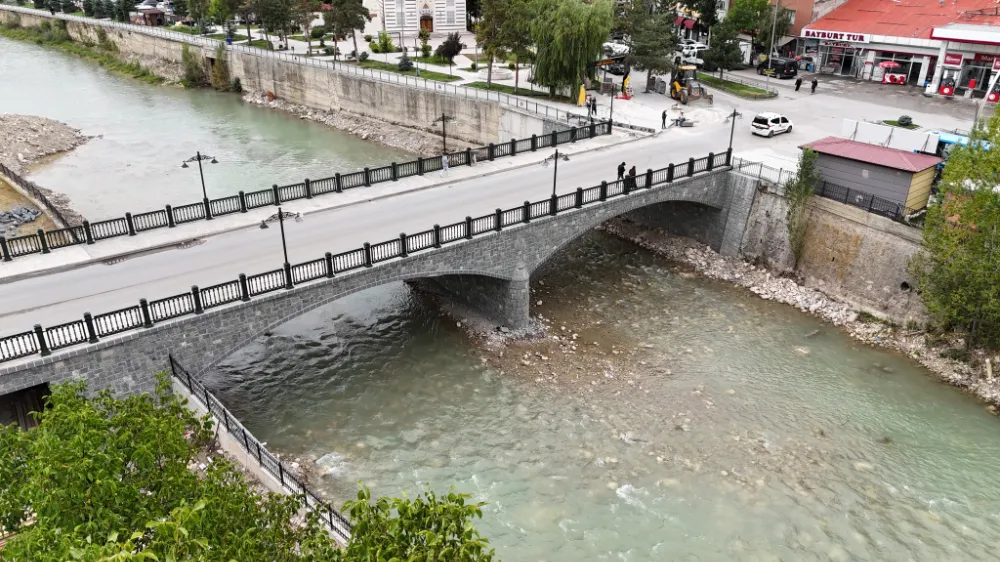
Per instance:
(688,420)
(145,132)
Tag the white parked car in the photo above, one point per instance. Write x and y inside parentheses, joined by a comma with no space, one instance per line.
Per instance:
(691,44)
(770,124)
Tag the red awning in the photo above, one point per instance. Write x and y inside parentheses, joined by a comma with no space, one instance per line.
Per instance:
(689,24)
(678,20)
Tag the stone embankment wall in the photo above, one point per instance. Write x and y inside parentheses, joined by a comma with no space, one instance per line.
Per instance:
(849,254)
(474,120)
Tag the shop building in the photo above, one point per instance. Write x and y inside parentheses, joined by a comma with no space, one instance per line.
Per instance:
(937,42)
(408,17)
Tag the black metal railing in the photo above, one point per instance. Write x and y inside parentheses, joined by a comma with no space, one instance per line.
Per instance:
(777,176)
(171,216)
(245,287)
(35,192)
(338,524)
(866,201)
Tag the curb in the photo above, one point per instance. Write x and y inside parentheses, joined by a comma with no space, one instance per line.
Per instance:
(93,261)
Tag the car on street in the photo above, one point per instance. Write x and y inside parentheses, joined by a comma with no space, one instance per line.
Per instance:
(778,67)
(769,124)
(691,44)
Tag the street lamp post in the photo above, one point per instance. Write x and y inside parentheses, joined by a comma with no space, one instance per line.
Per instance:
(444,131)
(770,54)
(280,217)
(555,169)
(732,129)
(611,118)
(204,194)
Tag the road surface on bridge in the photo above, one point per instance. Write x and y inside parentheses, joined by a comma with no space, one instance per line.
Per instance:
(64,296)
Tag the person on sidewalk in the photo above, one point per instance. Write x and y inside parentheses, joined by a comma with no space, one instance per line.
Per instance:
(631,178)
(663,120)
(621,170)
(814,84)
(798,83)
(444,165)
(593,105)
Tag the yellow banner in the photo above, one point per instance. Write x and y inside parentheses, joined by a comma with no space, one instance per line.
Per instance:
(582,97)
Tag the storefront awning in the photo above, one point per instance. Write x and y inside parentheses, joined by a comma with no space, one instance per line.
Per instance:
(784,41)
(689,24)
(679,20)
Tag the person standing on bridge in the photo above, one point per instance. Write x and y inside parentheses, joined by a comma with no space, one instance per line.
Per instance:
(631,178)
(444,165)
(621,170)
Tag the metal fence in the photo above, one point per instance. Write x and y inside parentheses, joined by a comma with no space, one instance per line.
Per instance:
(335,66)
(145,314)
(866,201)
(34,191)
(777,176)
(337,523)
(132,224)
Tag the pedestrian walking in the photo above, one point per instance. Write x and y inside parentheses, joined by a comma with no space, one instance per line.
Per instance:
(631,177)
(814,84)
(621,170)
(444,165)
(798,83)
(593,105)
(663,120)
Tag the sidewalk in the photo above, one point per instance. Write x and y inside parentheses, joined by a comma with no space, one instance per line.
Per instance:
(113,248)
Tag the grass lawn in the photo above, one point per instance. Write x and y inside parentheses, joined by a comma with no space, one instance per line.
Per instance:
(433,59)
(428,74)
(261,44)
(185,29)
(734,87)
(222,37)
(303,38)
(895,123)
(502,88)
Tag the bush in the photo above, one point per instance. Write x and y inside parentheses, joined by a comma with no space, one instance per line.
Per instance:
(385,44)
(330,51)
(905,120)
(425,50)
(375,48)
(318,32)
(220,70)
(405,63)
(194,68)
(510,65)
(237,85)
(475,66)
(363,56)
(368,38)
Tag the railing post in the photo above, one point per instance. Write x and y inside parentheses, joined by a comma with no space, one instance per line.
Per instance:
(130,223)
(88,320)
(244,288)
(43,348)
(276,194)
(649,178)
(288,275)
(604,191)
(534,142)
(593,130)
(5,250)
(572,135)
(87,232)
(499,220)
(336,179)
(670,173)
(368,254)
(690,167)
(527,211)
(44,243)
(170,216)
(627,184)
(579,198)
(329,264)
(553,205)
(490,152)
(729,157)
(147,319)
(196,295)
(420,166)
(208,208)
(395,172)
(711,160)
(402,245)
(437,236)
(555,139)
(468,156)
(468,228)
(243,202)
(309,188)
(368,178)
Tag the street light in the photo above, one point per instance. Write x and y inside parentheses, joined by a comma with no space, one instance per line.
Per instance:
(280,217)
(555,169)
(204,194)
(444,131)
(732,129)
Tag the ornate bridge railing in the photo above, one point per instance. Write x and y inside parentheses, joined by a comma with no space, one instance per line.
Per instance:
(90,329)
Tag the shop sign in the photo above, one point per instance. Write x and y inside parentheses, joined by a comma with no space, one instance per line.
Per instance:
(980,57)
(996,64)
(953,59)
(841,44)
(835,35)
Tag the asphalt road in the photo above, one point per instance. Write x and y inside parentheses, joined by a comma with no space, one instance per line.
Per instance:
(65,296)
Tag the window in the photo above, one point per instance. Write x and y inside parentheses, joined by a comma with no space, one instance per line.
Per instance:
(399,12)
(450,7)
(784,120)
(760,120)
(774,121)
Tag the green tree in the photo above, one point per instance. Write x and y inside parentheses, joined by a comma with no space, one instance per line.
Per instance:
(425,47)
(569,36)
(958,268)
(756,18)
(651,40)
(489,32)
(473,10)
(247,14)
(350,15)
(88,8)
(724,53)
(303,14)
(221,11)
(405,63)
(67,6)
(180,8)
(450,48)
(707,11)
(798,192)
(199,11)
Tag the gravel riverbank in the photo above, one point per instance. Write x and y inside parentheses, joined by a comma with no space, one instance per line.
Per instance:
(928,350)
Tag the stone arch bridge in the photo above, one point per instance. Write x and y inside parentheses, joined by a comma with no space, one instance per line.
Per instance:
(475,262)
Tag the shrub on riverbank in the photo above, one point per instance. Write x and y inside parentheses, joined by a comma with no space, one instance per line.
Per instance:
(194,68)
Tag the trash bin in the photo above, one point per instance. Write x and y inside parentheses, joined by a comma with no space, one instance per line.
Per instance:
(661,86)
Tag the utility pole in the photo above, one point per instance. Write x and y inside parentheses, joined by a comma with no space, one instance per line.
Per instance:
(732,128)
(770,53)
(611,118)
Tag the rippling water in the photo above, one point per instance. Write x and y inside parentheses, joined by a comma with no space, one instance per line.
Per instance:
(767,441)
(147,131)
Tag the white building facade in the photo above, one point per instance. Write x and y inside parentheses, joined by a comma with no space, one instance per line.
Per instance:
(408,17)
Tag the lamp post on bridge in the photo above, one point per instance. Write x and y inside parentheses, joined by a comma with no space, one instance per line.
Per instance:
(204,194)
(280,217)
(732,128)
(555,170)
